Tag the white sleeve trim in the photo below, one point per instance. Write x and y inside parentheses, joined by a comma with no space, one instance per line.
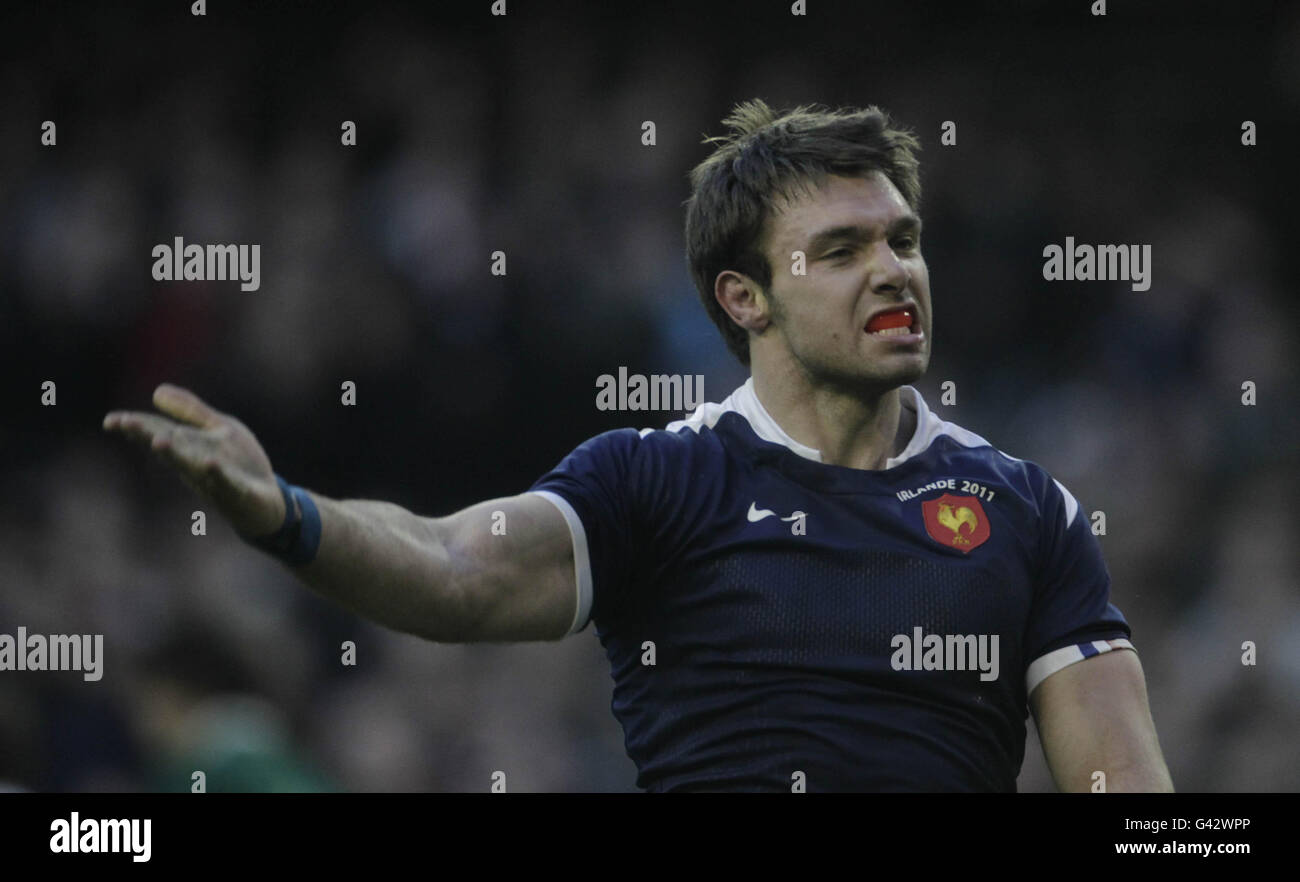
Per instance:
(581,558)
(1046,665)
(1071,504)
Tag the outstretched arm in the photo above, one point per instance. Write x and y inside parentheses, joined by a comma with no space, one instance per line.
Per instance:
(449,579)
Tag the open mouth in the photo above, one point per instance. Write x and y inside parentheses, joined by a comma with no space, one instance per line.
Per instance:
(895,323)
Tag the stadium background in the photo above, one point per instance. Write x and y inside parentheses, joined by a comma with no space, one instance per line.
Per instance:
(523,134)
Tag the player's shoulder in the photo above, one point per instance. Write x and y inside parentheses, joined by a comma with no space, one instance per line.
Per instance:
(678,438)
(677,449)
(709,429)
(938,438)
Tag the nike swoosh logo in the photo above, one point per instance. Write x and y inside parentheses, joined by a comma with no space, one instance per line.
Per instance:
(757,514)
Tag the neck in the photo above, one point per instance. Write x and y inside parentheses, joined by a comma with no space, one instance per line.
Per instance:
(853,428)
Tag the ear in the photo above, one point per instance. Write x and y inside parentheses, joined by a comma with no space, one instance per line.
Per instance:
(742,299)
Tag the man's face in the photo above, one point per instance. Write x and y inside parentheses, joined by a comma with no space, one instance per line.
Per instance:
(864,264)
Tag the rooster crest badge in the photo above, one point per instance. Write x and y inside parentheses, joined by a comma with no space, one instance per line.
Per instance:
(956,522)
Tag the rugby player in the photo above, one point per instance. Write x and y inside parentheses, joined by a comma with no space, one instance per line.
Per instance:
(815,583)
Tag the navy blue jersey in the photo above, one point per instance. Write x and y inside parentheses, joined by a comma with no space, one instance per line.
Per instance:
(772,620)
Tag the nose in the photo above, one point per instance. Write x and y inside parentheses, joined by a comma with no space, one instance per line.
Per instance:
(888,274)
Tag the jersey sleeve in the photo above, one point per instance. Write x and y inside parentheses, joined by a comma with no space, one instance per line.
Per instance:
(1072,617)
(596,488)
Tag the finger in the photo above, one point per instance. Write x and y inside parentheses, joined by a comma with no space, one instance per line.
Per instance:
(185,406)
(115,420)
(138,426)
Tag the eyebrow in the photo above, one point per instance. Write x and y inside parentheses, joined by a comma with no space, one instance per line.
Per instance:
(860,232)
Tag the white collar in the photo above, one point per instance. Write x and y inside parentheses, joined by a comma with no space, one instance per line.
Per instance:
(745,402)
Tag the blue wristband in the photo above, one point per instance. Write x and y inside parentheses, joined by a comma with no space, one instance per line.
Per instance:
(298,538)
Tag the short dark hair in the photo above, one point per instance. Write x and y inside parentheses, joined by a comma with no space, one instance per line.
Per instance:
(766,156)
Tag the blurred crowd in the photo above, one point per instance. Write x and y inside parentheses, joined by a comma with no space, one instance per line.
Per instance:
(524,135)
